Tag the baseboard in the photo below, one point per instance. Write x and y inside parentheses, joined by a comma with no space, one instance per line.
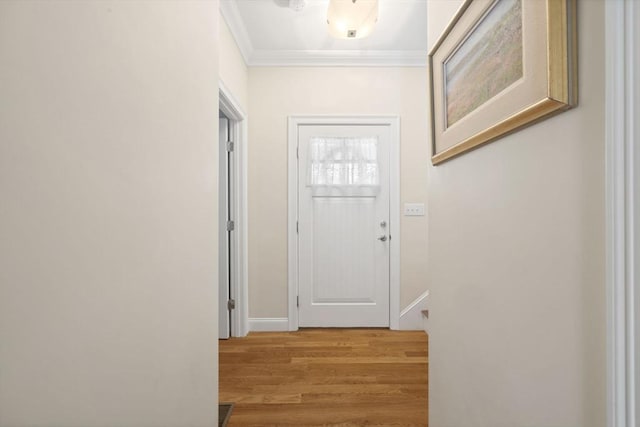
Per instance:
(269,324)
(411,317)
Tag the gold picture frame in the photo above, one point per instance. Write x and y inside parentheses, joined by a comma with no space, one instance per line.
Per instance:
(500,65)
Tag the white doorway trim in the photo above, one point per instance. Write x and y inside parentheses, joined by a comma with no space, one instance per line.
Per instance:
(239,287)
(622,183)
(394,199)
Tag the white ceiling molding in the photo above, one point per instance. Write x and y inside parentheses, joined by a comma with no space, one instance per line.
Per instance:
(318,58)
(331,58)
(231,15)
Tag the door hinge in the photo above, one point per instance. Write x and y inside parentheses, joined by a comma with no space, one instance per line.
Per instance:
(297,152)
(297,301)
(231,304)
(297,227)
(231,225)
(230,146)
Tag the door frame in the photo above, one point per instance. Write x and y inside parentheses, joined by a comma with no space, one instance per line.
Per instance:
(394,205)
(622,183)
(239,288)
(225,256)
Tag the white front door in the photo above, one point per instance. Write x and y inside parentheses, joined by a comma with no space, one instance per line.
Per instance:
(343,214)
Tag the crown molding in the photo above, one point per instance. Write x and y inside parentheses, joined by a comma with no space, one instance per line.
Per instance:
(231,14)
(312,58)
(332,58)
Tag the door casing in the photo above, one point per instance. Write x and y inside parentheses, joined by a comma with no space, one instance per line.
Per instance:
(239,290)
(294,122)
(622,208)
(225,238)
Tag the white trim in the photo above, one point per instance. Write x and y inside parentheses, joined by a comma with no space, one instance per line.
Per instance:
(230,105)
(622,170)
(411,316)
(332,58)
(239,287)
(319,58)
(292,218)
(224,250)
(231,15)
(394,223)
(394,216)
(269,324)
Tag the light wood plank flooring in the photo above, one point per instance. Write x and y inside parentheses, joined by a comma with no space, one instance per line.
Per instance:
(322,377)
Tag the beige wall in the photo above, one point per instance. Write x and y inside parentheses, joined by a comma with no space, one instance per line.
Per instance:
(233,70)
(516,265)
(108,241)
(275,94)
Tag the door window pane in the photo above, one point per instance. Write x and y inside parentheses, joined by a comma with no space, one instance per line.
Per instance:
(343,162)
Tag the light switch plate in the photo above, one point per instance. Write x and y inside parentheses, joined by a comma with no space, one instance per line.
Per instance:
(414,209)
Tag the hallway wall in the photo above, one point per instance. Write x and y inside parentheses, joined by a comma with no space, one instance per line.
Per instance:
(233,70)
(108,213)
(516,264)
(278,92)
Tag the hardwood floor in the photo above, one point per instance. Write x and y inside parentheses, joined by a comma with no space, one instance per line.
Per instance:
(322,377)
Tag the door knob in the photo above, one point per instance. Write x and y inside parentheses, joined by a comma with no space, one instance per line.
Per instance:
(383,238)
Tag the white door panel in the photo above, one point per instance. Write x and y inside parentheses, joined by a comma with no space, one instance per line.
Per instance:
(341,272)
(343,265)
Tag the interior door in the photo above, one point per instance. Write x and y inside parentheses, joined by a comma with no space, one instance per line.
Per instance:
(224,328)
(343,223)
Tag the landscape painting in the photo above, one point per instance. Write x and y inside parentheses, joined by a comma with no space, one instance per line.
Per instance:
(486,62)
(498,67)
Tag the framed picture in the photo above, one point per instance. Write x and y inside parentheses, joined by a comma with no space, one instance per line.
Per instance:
(500,65)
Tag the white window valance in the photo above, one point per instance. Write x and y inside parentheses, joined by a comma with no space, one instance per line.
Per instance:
(340,162)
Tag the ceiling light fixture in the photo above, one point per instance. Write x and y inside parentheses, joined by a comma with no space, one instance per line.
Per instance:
(352,19)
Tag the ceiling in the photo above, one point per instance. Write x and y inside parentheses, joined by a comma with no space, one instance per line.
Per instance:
(269,33)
